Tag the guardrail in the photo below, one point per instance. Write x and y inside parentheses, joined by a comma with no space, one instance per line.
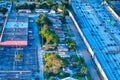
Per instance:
(88,47)
(112,11)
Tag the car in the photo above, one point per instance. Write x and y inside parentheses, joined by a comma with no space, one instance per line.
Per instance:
(30,35)
(31,21)
(31,38)
(30,32)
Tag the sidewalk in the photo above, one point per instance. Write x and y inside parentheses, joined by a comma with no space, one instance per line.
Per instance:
(82,51)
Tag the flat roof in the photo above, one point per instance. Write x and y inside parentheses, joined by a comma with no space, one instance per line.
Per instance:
(16,29)
(16,25)
(102,31)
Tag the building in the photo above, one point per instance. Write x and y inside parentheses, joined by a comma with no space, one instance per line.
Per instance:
(69,78)
(65,54)
(41,11)
(15,31)
(24,11)
(62,48)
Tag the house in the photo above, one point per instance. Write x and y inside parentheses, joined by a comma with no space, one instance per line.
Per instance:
(53,14)
(65,54)
(62,48)
(55,21)
(59,2)
(24,11)
(49,47)
(41,11)
(68,78)
(60,34)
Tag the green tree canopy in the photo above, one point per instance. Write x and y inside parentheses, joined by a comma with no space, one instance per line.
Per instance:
(37,0)
(17,6)
(71,44)
(83,69)
(3,10)
(32,6)
(24,5)
(51,64)
(49,36)
(43,20)
(49,2)
(38,6)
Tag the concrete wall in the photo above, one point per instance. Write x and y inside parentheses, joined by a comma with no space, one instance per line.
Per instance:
(112,11)
(89,47)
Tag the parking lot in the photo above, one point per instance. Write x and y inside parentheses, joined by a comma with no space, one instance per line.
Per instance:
(10,66)
(101,30)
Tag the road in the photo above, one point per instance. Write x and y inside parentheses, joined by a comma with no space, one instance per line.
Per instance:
(82,51)
(37,43)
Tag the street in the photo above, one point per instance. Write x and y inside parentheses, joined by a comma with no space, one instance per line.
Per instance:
(37,43)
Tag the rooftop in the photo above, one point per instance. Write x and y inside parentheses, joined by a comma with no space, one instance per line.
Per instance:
(69,78)
(16,30)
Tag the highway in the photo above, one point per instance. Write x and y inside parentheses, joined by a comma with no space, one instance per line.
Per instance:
(82,51)
(102,30)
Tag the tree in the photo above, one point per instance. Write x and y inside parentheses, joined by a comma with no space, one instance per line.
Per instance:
(11,1)
(37,0)
(49,2)
(54,7)
(44,6)
(43,20)
(32,6)
(83,70)
(64,10)
(24,5)
(52,78)
(18,56)
(65,2)
(3,10)
(51,63)
(49,36)
(17,6)
(71,44)
(38,6)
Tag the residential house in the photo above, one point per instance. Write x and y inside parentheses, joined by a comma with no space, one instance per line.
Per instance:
(62,48)
(69,78)
(65,54)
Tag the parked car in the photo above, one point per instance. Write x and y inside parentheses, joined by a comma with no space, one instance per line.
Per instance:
(31,38)
(30,32)
(30,35)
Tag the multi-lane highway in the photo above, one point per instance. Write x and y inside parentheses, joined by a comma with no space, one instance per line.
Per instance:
(102,31)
